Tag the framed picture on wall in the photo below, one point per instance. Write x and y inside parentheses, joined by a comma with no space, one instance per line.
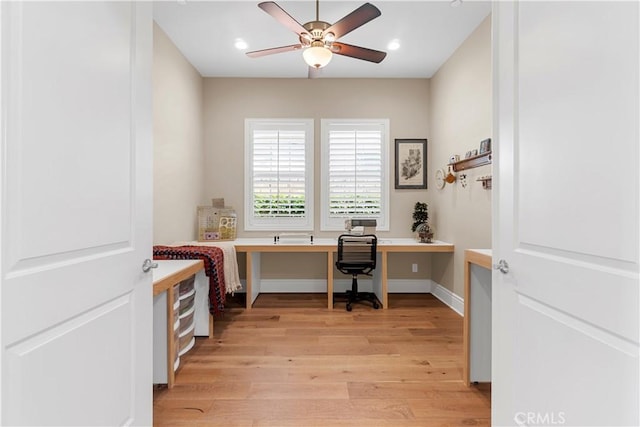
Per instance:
(411,163)
(485,146)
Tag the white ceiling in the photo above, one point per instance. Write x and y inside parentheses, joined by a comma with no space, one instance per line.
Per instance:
(428,31)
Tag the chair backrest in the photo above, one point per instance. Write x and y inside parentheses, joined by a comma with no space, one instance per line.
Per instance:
(356,253)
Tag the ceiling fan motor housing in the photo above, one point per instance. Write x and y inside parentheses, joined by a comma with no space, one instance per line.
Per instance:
(317,29)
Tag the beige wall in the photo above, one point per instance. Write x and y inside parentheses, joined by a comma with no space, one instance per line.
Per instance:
(195,116)
(460,117)
(178,143)
(228,101)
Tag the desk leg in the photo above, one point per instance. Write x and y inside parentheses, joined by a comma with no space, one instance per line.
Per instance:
(249,279)
(171,343)
(330,280)
(466,325)
(385,289)
(253,277)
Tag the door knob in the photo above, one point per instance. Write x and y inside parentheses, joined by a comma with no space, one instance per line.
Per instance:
(147,265)
(502,266)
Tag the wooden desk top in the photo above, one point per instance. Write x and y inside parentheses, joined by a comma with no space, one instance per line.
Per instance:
(481,257)
(170,272)
(266,244)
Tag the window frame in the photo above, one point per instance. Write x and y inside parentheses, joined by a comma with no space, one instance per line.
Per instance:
(327,223)
(253,223)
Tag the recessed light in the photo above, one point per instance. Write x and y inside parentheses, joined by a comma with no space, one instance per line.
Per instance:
(241,44)
(394,44)
(455,3)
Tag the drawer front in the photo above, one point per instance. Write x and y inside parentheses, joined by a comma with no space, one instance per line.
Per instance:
(187,285)
(186,320)
(186,304)
(186,340)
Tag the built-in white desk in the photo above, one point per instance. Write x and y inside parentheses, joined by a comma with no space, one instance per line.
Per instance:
(477,316)
(255,247)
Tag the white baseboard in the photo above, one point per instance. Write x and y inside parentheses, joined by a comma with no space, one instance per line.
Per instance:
(341,285)
(293,285)
(455,302)
(409,286)
(397,286)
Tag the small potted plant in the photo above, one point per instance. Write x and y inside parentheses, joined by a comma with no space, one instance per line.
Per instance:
(421,223)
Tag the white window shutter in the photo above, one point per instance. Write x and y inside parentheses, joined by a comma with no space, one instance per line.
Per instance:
(279,166)
(354,171)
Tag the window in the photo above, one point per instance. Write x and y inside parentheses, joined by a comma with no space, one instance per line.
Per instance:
(279,174)
(355,167)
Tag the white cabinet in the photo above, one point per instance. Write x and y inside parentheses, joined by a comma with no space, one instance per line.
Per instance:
(477,316)
(202,318)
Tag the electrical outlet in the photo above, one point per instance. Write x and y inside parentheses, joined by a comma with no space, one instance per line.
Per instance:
(414,268)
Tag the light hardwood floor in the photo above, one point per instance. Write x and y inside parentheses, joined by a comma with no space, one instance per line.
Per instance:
(291,362)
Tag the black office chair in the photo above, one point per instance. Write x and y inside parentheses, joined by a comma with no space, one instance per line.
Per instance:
(357,255)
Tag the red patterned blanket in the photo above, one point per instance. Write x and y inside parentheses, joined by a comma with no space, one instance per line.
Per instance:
(213,268)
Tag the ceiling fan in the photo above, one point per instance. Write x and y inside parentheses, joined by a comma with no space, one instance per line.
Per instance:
(319,38)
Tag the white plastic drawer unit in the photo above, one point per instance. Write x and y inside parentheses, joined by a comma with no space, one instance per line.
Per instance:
(186,319)
(187,285)
(187,340)
(187,302)
(173,316)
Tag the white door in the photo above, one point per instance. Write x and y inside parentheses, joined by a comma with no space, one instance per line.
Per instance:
(565,315)
(76,171)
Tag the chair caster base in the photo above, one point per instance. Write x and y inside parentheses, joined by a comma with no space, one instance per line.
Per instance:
(357,297)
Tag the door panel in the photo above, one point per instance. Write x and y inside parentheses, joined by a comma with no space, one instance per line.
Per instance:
(77,182)
(569,71)
(565,316)
(93,368)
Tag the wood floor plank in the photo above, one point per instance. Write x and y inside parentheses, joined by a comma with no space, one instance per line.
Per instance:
(366,373)
(298,391)
(292,362)
(204,423)
(376,422)
(191,375)
(425,408)
(206,391)
(349,330)
(332,409)
(326,350)
(416,390)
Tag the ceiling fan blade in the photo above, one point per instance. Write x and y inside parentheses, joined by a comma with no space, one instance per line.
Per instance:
(271,51)
(358,52)
(283,17)
(358,17)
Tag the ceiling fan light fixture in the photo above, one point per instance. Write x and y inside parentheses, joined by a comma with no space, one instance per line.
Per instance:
(317,56)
